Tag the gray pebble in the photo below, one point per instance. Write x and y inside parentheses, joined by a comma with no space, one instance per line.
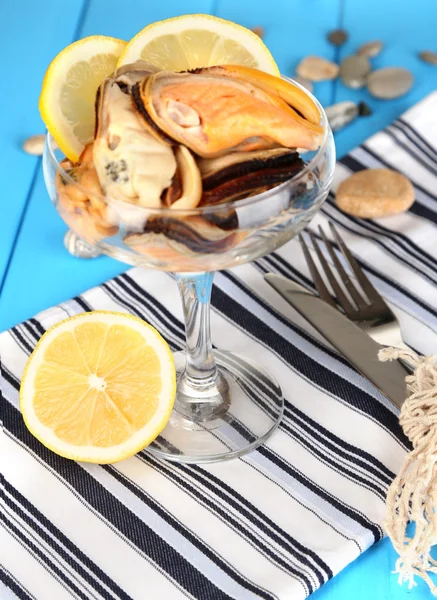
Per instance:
(370,49)
(316,68)
(364,109)
(79,247)
(259,31)
(354,71)
(429,57)
(338,37)
(390,82)
(35,144)
(341,114)
(306,83)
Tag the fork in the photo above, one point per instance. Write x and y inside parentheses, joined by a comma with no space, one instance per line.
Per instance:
(359,301)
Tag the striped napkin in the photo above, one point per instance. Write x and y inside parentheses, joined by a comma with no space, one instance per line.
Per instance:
(282,520)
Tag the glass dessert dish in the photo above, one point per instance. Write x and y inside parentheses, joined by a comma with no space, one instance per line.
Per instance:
(219,413)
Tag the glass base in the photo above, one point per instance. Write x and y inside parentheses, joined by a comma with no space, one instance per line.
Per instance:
(238,413)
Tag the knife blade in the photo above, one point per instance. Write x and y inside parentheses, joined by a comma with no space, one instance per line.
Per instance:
(353,343)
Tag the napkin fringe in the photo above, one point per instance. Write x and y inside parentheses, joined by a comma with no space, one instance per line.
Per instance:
(412,496)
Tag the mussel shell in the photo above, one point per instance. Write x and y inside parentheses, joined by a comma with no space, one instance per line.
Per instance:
(228,221)
(174,191)
(196,233)
(149,122)
(175,247)
(132,165)
(125,77)
(249,175)
(198,110)
(134,72)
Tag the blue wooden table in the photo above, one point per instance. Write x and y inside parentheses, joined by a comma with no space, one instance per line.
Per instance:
(35,270)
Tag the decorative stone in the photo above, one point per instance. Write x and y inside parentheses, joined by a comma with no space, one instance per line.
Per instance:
(364,109)
(370,49)
(338,37)
(259,31)
(35,144)
(354,71)
(315,68)
(341,114)
(429,57)
(390,82)
(375,193)
(79,247)
(306,83)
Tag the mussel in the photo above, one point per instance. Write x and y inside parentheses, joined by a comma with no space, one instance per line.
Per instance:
(241,174)
(183,140)
(173,244)
(216,110)
(132,165)
(80,198)
(185,190)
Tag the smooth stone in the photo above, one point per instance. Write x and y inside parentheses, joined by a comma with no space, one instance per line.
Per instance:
(341,114)
(364,109)
(35,144)
(370,49)
(316,68)
(306,83)
(354,71)
(429,57)
(390,82)
(79,247)
(375,193)
(259,31)
(338,37)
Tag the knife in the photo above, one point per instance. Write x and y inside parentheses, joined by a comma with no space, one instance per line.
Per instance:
(353,343)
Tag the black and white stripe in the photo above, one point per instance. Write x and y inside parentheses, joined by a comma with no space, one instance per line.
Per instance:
(95,582)
(12,584)
(137,533)
(283,519)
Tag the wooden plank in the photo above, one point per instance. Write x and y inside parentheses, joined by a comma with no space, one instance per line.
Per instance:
(405,28)
(124,19)
(30,35)
(42,273)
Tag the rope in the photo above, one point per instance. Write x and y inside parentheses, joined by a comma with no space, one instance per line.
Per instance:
(413,494)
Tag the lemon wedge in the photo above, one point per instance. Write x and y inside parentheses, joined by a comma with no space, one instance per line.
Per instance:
(98,387)
(69,89)
(193,41)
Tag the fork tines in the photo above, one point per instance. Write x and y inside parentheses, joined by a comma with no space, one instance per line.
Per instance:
(357,299)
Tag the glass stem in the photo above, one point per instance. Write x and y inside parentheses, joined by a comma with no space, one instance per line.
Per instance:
(195,290)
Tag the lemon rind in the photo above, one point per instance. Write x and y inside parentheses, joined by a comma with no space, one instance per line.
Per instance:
(142,437)
(49,106)
(194,21)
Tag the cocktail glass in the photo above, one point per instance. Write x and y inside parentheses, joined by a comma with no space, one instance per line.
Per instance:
(226,404)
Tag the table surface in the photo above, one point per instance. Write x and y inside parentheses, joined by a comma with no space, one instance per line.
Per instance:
(35,270)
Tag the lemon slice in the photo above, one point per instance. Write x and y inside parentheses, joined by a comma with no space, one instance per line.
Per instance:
(98,387)
(69,90)
(193,41)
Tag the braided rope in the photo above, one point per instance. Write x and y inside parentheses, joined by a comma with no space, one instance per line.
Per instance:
(412,495)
